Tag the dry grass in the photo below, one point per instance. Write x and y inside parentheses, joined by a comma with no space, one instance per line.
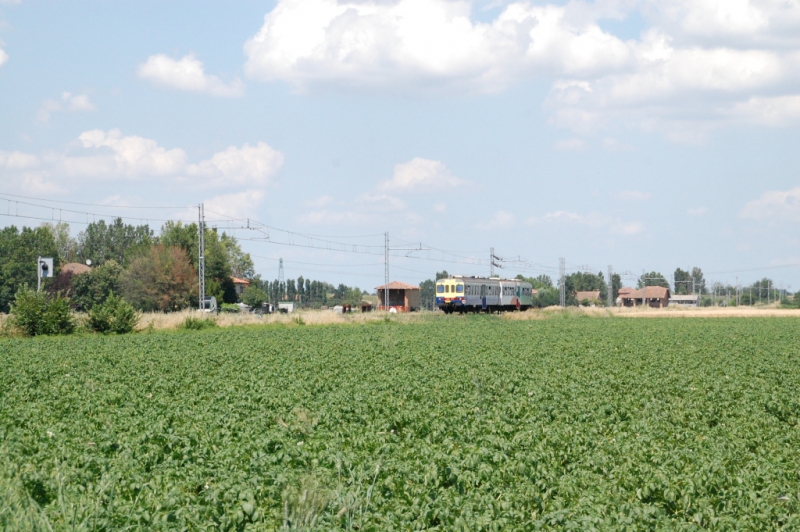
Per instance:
(301,317)
(668,312)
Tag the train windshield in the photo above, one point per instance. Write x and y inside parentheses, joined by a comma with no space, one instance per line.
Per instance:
(440,289)
(460,288)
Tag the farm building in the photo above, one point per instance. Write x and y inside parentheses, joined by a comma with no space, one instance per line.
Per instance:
(592,296)
(402,297)
(691,300)
(240,285)
(654,296)
(75,268)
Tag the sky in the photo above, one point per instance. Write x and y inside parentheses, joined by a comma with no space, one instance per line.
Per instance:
(639,134)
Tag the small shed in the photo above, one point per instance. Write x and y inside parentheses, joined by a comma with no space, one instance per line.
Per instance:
(75,268)
(592,296)
(653,296)
(402,297)
(691,300)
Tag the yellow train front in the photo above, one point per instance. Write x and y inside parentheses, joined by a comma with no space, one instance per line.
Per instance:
(482,294)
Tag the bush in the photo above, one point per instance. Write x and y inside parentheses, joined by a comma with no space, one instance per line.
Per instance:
(230,307)
(196,324)
(114,315)
(34,313)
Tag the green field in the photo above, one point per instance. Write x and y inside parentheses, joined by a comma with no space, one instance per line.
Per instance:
(459,423)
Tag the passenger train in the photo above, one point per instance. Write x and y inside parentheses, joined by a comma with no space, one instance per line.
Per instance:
(475,294)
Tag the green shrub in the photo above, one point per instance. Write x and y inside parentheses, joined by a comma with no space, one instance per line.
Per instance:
(115,315)
(230,307)
(34,313)
(195,324)
(254,297)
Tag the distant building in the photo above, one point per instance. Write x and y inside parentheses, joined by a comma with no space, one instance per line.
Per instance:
(654,297)
(402,297)
(240,285)
(691,300)
(75,268)
(592,296)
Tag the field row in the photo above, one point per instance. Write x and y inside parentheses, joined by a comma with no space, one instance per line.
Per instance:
(468,423)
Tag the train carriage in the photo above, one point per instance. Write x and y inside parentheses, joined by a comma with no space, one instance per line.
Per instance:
(475,294)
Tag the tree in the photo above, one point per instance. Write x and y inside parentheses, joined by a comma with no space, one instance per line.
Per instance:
(616,284)
(160,279)
(18,253)
(585,282)
(682,282)
(241,265)
(254,297)
(65,244)
(652,279)
(101,242)
(94,287)
(699,280)
(301,289)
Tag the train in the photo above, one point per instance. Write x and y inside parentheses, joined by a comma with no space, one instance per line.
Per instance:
(482,294)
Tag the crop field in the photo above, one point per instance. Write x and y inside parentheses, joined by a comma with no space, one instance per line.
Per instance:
(457,423)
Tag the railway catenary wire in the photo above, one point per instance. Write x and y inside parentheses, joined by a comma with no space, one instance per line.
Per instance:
(519,263)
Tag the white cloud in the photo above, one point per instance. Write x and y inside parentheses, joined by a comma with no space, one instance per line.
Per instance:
(17,160)
(770,111)
(131,156)
(112,156)
(774,206)
(573,144)
(75,103)
(248,166)
(236,205)
(415,43)
(187,73)
(628,228)
(698,65)
(415,176)
(499,221)
(697,211)
(634,195)
(3,57)
(592,220)
(420,175)
(612,144)
(766,21)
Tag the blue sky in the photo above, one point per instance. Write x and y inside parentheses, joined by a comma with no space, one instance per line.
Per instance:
(632,133)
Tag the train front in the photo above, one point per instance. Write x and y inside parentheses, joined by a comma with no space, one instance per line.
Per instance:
(450,295)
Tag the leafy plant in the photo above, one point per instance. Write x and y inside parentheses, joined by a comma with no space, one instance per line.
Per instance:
(443,424)
(196,324)
(34,313)
(230,307)
(114,315)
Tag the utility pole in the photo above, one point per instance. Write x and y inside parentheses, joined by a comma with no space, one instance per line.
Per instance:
(491,262)
(201,256)
(280,272)
(644,288)
(610,287)
(386,274)
(562,289)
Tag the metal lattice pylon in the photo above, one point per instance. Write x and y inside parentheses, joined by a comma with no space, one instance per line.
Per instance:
(201,256)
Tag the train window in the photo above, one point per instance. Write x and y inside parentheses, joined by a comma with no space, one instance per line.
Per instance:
(440,289)
(460,288)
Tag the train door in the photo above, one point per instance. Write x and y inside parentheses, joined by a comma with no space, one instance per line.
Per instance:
(483,296)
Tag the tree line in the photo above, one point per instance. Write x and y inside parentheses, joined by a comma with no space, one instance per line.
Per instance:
(151,272)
